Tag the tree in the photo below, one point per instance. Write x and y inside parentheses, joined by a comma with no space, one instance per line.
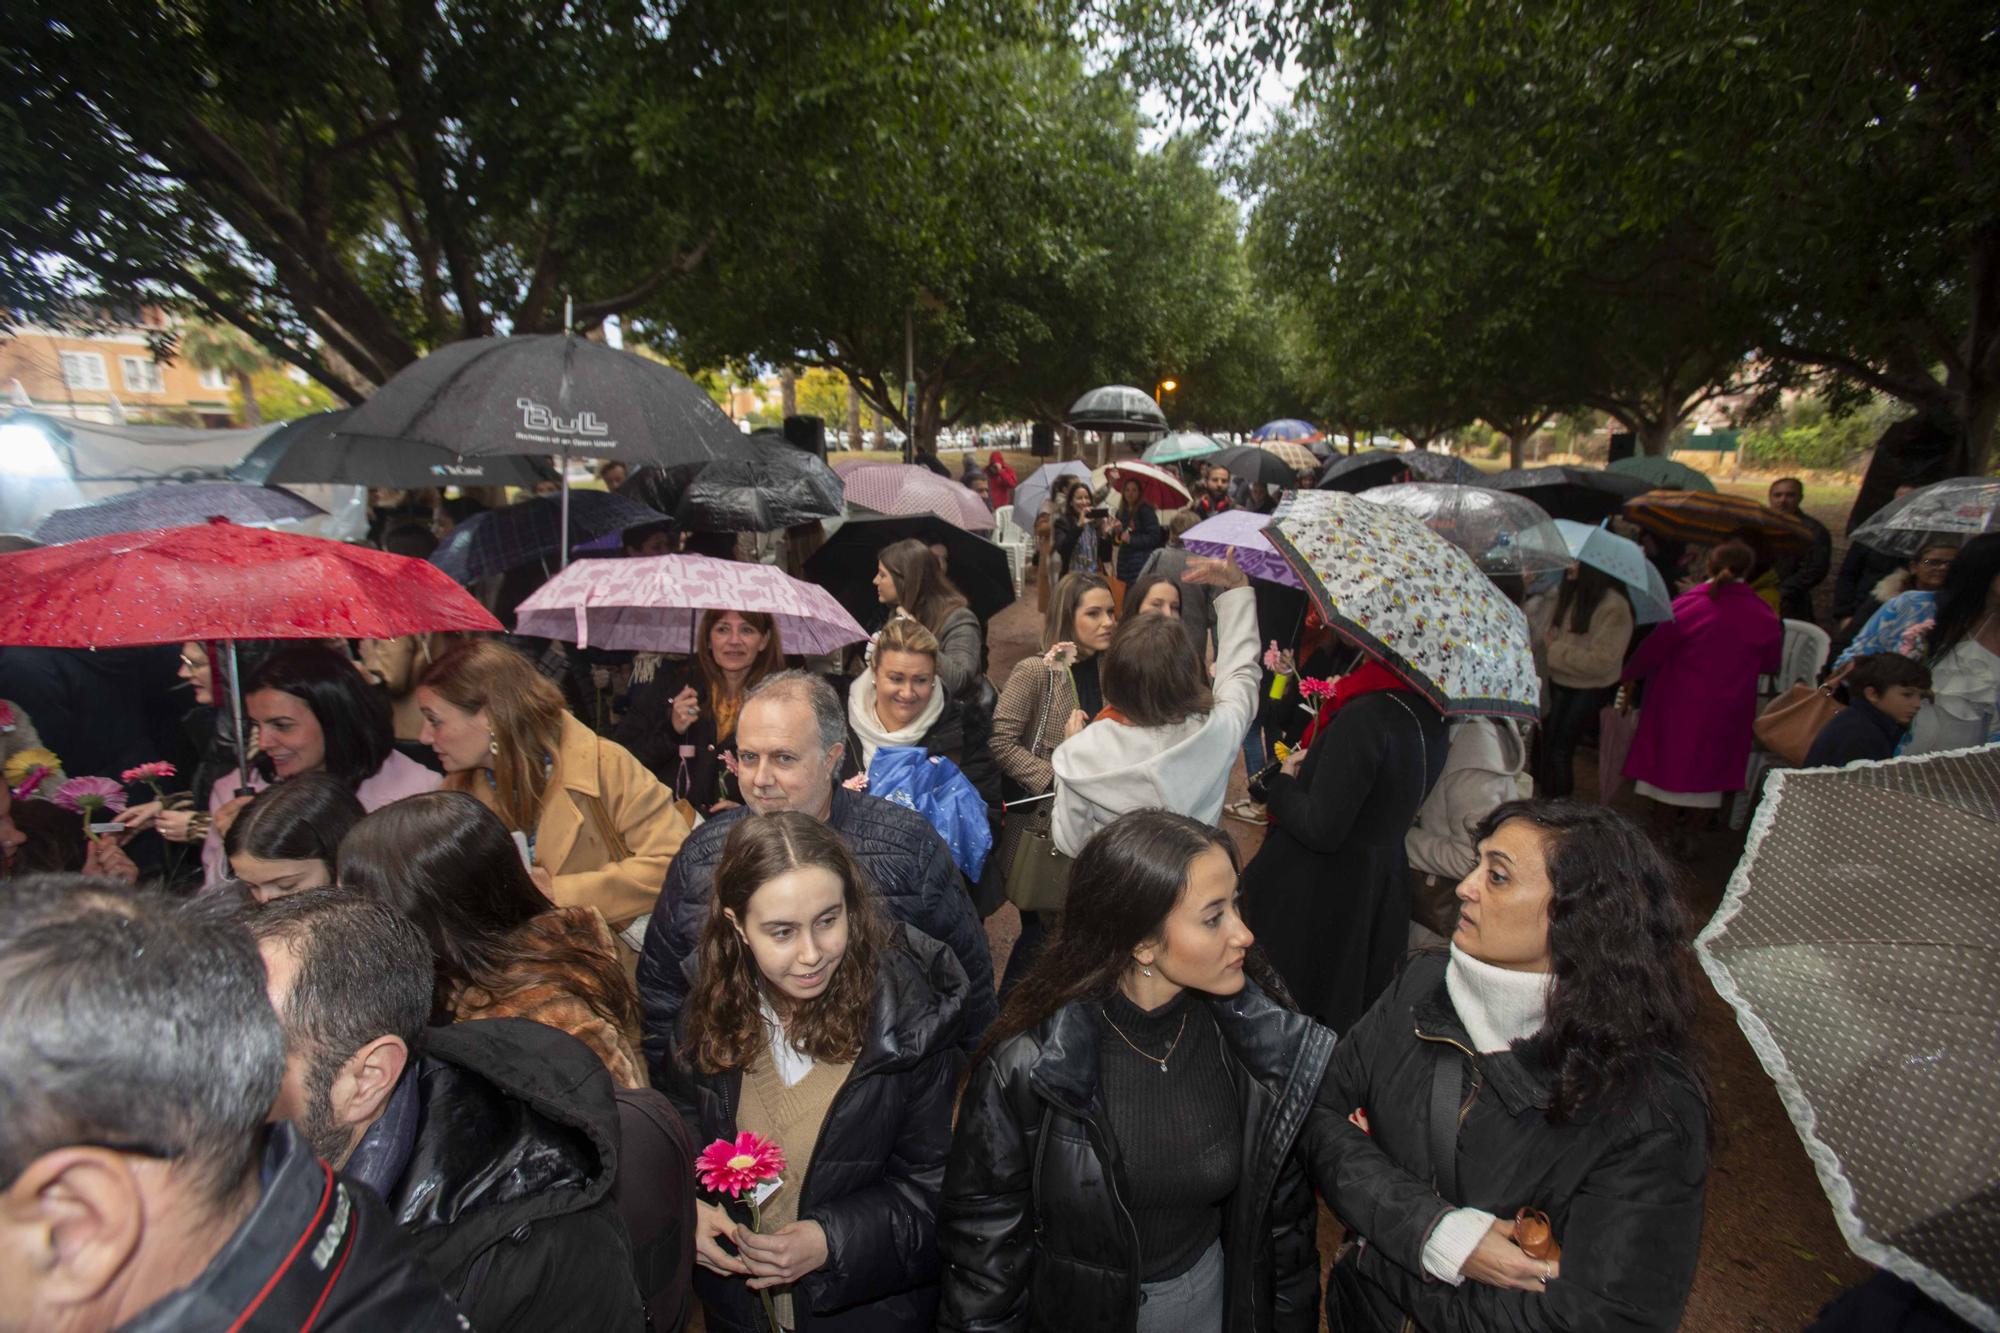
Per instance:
(229,352)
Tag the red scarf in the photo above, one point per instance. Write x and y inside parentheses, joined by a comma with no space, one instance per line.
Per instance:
(1371,677)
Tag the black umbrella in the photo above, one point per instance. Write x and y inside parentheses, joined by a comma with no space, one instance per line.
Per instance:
(522,534)
(1581,494)
(1248,463)
(315,449)
(1116,407)
(1386,467)
(778,485)
(845,566)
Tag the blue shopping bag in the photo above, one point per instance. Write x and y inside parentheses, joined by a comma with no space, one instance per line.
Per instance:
(932,786)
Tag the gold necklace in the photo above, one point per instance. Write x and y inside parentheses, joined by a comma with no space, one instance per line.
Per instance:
(1160,1060)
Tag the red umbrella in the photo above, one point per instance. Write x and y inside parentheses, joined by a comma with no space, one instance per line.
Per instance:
(1157,487)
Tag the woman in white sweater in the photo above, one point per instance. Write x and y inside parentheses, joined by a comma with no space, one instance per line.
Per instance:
(1165,739)
(1588,638)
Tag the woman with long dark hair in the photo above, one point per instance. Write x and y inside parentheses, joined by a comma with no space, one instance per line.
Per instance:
(1963,649)
(1078,541)
(1136,530)
(502,949)
(909,579)
(314,713)
(1546,1062)
(1586,644)
(818,1024)
(287,839)
(1124,1148)
(682,725)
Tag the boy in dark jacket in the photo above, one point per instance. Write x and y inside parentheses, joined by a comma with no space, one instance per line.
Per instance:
(1884,692)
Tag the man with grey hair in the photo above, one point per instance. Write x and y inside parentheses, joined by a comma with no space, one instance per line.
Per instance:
(139,1187)
(789,739)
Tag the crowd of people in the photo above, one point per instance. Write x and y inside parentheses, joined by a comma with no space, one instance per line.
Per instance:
(419,1021)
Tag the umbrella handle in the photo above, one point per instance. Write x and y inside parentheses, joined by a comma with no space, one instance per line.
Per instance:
(236,706)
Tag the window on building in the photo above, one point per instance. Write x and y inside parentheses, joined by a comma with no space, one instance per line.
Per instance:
(211,378)
(142,374)
(84,370)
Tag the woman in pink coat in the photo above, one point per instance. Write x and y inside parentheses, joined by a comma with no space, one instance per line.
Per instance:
(1701,690)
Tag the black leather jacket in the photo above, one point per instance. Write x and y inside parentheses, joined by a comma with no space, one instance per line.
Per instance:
(1034,1228)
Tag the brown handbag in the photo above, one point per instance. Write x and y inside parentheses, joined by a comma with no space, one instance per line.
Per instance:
(1038,875)
(1791,722)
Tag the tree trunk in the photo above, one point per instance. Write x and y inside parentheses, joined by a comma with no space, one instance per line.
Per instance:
(788,391)
(1981,416)
(253,415)
(853,418)
(1517,444)
(1655,437)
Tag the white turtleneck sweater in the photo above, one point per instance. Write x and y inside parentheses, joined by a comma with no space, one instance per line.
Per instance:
(869,728)
(1498,1007)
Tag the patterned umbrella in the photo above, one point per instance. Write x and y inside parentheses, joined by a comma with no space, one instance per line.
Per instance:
(1662,473)
(905,488)
(173,505)
(1967,505)
(1162,490)
(1033,492)
(1621,558)
(1707,517)
(1856,942)
(653,604)
(1287,428)
(1503,533)
(1116,407)
(1179,447)
(522,534)
(1298,456)
(1242,531)
(1583,494)
(1385,467)
(1413,601)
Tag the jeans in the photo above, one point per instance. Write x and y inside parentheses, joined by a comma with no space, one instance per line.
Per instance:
(1254,754)
(1570,712)
(1190,1303)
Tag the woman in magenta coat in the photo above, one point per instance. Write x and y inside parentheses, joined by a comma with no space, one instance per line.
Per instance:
(1701,690)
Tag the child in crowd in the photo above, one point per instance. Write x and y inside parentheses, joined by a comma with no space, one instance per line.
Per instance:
(1884,692)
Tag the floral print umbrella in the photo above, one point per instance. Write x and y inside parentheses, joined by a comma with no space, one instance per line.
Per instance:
(1413,601)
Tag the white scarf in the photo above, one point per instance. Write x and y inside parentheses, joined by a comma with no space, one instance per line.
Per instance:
(868,728)
(1497,1005)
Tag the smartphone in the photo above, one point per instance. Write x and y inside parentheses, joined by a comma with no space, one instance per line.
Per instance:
(1099,513)
(105,826)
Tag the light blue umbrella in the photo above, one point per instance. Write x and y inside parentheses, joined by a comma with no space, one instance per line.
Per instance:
(1034,489)
(1600,548)
(1181,445)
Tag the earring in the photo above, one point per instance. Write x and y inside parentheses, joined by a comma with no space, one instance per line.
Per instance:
(493,745)
(1147,971)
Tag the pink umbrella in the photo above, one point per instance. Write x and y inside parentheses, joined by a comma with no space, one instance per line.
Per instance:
(903,488)
(1241,531)
(654,604)
(1161,489)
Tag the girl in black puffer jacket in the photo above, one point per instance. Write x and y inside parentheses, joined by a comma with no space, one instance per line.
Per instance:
(817,1023)
(1124,1159)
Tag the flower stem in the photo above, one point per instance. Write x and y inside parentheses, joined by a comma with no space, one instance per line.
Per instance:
(763,1293)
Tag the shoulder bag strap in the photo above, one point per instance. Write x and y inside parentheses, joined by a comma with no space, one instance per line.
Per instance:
(606,830)
(1447,1097)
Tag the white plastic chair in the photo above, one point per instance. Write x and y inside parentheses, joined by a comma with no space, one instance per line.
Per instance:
(1800,661)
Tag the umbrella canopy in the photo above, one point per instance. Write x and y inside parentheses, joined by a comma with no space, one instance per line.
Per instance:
(1241,532)
(654,604)
(222,581)
(1162,490)
(179,506)
(522,534)
(1413,601)
(1033,492)
(777,486)
(1581,494)
(1116,407)
(1663,473)
(1248,463)
(1966,505)
(1504,534)
(1178,448)
(317,449)
(845,565)
(551,393)
(1300,458)
(1288,428)
(1856,941)
(894,489)
(1385,467)
(1707,517)
(1621,558)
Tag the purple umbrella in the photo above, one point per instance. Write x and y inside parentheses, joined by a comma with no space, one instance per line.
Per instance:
(653,604)
(1241,531)
(173,505)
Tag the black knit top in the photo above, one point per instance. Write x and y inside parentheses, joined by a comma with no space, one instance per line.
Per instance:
(1179,1130)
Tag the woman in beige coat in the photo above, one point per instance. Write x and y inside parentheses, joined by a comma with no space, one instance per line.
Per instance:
(1588,637)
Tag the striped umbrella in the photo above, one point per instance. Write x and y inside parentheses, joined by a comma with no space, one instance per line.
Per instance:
(899,489)
(1241,532)
(1301,458)
(1708,517)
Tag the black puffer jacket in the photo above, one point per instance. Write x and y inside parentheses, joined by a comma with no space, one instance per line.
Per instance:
(1623,1190)
(507,1191)
(906,862)
(874,1177)
(1034,1230)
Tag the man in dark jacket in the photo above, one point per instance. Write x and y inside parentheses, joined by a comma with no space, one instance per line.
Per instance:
(139,1187)
(790,738)
(1884,692)
(494,1143)
(1801,571)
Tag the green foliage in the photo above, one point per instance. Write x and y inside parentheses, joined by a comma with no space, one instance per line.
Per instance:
(280,397)
(1808,434)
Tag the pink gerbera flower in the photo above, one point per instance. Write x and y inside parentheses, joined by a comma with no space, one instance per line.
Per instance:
(1312,688)
(732,1168)
(87,796)
(152,772)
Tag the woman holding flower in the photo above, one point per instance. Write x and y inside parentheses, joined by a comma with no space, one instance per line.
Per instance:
(825,1030)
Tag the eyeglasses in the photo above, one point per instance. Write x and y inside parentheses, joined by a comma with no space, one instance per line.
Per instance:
(1935,563)
(158,1151)
(193,663)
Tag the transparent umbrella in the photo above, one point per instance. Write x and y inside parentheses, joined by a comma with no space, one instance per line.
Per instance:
(1503,533)
(1966,505)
